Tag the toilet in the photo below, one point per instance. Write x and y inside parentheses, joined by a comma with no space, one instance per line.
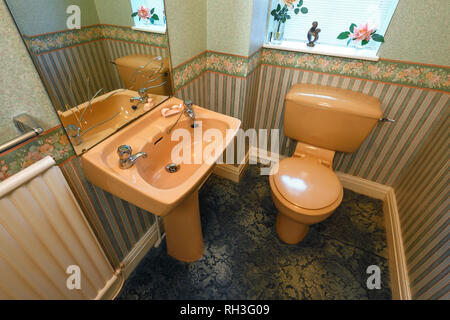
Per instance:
(322,120)
(127,66)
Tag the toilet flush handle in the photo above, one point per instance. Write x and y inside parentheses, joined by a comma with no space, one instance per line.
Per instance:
(386,120)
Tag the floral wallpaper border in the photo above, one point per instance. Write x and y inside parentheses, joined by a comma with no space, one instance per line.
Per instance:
(416,75)
(233,65)
(52,143)
(62,39)
(190,70)
(430,77)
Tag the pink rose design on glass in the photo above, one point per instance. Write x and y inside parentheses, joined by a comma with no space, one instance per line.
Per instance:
(363,33)
(143,13)
(146,14)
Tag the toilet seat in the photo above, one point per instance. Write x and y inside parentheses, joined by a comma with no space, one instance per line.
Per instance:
(306,184)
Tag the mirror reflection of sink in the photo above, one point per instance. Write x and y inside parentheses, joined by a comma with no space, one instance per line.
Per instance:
(169,192)
(107,114)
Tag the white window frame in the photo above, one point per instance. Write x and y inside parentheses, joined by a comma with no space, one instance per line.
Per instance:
(322,49)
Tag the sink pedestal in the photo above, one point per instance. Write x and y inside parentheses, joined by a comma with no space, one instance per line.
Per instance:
(184,231)
(147,184)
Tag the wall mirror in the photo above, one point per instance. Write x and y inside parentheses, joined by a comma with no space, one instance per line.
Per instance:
(104,63)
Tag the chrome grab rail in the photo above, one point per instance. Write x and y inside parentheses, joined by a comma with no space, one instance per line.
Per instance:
(16,141)
(29,129)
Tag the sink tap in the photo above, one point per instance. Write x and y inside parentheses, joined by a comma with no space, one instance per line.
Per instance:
(74,134)
(141,99)
(126,160)
(187,110)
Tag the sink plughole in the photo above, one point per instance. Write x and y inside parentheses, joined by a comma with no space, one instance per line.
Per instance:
(149,185)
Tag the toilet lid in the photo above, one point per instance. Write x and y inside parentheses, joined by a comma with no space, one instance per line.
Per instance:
(306,183)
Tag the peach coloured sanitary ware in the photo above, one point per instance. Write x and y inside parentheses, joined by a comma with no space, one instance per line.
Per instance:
(147,184)
(322,120)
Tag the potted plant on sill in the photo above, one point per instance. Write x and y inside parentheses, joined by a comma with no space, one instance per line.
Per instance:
(281,14)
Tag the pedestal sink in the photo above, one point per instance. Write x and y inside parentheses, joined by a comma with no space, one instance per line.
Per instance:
(149,185)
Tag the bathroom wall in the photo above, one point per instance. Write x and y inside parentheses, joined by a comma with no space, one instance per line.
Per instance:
(423,201)
(418,33)
(118,225)
(17,69)
(218,77)
(186,24)
(229,26)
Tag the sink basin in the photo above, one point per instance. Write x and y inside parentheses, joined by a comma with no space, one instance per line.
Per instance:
(154,172)
(149,185)
(107,114)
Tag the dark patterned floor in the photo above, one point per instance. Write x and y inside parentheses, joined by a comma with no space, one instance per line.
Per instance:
(244,259)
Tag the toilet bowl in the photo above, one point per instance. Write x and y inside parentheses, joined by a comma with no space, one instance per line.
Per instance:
(322,120)
(305,191)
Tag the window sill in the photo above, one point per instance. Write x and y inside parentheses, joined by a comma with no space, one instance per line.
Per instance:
(344,52)
(151,28)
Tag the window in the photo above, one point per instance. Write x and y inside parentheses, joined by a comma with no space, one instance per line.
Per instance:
(333,17)
(158,25)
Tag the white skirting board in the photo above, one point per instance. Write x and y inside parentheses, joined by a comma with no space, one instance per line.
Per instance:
(397,260)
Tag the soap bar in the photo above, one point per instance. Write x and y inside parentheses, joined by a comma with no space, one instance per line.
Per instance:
(149,104)
(167,112)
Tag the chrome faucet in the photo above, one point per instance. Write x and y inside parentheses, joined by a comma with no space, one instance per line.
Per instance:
(142,99)
(126,160)
(187,110)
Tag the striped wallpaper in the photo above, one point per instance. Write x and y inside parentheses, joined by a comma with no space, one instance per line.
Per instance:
(410,155)
(389,148)
(423,200)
